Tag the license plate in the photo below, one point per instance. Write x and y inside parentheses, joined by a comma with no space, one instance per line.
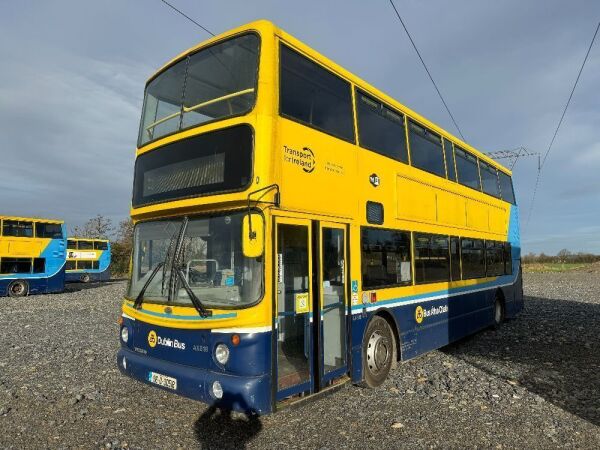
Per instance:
(162,380)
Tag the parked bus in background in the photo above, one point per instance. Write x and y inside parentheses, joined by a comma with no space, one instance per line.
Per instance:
(296,228)
(88,260)
(32,256)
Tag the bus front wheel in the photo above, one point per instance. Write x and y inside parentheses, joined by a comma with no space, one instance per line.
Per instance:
(85,278)
(378,351)
(18,288)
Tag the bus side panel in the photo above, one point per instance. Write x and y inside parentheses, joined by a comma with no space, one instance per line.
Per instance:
(431,324)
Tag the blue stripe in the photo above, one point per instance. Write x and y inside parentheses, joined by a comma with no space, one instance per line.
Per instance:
(505,279)
(173,316)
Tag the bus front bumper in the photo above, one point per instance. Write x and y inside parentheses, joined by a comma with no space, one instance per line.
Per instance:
(245,394)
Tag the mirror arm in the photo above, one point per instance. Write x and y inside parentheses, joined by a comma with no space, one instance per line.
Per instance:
(264,191)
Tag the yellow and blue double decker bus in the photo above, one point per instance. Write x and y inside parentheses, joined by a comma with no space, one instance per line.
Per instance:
(87,260)
(296,228)
(32,256)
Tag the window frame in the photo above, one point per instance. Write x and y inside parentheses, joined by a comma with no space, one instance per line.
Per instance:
(427,130)
(488,165)
(186,57)
(431,236)
(358,91)
(483,248)
(410,253)
(330,71)
(512,186)
(468,153)
(445,141)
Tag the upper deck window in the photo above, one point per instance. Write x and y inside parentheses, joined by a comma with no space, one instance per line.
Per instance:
(426,149)
(506,187)
(99,245)
(85,245)
(380,128)
(48,230)
(489,179)
(314,96)
(17,228)
(466,168)
(214,83)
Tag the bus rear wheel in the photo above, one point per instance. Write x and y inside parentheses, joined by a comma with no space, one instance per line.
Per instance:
(378,351)
(18,288)
(85,278)
(498,312)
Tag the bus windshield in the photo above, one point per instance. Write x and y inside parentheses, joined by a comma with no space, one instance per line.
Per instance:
(211,260)
(213,83)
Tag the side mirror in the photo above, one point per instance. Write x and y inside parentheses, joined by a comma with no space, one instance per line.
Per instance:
(253,235)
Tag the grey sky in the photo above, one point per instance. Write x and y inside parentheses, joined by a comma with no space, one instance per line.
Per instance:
(72,77)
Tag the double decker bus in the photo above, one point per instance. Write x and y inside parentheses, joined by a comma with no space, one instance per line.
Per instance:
(296,228)
(32,256)
(87,260)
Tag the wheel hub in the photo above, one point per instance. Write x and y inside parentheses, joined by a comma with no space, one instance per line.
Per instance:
(378,352)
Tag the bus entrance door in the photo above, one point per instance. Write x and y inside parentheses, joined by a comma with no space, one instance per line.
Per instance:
(310,271)
(293,319)
(332,303)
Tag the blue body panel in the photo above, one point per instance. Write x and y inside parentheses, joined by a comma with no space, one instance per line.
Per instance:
(52,279)
(95,275)
(188,356)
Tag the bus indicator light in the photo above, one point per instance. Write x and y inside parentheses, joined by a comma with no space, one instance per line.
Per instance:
(235,339)
(373,297)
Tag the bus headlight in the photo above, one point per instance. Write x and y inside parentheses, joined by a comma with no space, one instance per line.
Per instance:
(222,353)
(124,334)
(217,390)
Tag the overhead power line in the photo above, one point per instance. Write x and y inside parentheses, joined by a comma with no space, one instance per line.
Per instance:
(188,17)
(426,69)
(514,155)
(539,174)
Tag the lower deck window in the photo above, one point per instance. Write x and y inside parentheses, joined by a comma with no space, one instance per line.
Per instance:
(71,265)
(432,258)
(494,256)
(473,258)
(84,265)
(386,259)
(15,265)
(39,265)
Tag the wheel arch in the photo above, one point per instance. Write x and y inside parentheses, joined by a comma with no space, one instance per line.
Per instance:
(389,317)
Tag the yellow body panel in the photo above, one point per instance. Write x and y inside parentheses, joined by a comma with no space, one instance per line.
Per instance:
(321,177)
(24,247)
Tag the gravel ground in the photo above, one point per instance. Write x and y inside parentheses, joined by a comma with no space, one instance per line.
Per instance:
(535,382)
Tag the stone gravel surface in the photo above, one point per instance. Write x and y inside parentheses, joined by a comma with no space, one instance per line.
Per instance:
(533,383)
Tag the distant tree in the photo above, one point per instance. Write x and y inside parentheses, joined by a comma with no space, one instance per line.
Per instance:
(121,247)
(563,255)
(98,227)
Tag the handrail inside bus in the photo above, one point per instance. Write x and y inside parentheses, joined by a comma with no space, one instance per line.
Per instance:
(198,106)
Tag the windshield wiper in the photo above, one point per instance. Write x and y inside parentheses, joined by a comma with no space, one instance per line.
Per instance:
(195,300)
(177,255)
(140,297)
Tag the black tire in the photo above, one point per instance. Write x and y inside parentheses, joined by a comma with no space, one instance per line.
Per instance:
(18,288)
(378,351)
(85,278)
(498,311)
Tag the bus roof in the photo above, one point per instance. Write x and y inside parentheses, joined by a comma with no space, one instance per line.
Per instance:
(266,27)
(87,239)
(31,219)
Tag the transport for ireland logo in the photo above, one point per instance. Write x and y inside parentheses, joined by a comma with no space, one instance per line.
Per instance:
(303,158)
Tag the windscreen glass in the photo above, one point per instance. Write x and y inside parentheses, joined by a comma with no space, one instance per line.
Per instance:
(213,83)
(211,261)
